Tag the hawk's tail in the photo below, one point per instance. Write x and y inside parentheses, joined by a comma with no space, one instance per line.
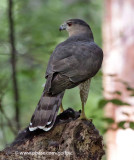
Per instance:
(46,112)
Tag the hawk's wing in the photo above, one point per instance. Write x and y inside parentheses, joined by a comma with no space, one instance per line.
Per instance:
(71,63)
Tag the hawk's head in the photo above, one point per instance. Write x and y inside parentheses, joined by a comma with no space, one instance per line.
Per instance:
(75,26)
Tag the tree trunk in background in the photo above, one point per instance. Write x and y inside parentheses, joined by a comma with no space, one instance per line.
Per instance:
(118,36)
(13,62)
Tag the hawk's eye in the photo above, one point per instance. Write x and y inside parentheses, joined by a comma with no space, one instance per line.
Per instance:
(69,23)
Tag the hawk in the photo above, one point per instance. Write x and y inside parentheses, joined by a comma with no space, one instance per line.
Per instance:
(73,63)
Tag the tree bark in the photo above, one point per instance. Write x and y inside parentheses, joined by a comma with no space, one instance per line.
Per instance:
(13,62)
(118,68)
(70,139)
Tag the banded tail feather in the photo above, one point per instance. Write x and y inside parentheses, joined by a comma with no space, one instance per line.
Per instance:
(46,111)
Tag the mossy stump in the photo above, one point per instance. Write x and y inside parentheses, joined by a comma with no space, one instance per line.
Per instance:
(70,139)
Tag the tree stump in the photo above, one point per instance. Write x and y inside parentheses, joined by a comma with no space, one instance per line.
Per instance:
(70,139)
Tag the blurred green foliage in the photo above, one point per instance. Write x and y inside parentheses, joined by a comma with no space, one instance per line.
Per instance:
(36,32)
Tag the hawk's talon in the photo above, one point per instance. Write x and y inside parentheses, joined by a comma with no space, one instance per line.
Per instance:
(83,117)
(61,108)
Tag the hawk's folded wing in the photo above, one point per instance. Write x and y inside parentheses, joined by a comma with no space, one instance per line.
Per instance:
(72,63)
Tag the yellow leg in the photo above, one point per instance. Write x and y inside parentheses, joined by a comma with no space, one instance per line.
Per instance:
(61,108)
(83,116)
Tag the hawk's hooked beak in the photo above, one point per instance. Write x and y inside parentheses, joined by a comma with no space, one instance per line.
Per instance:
(63,27)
